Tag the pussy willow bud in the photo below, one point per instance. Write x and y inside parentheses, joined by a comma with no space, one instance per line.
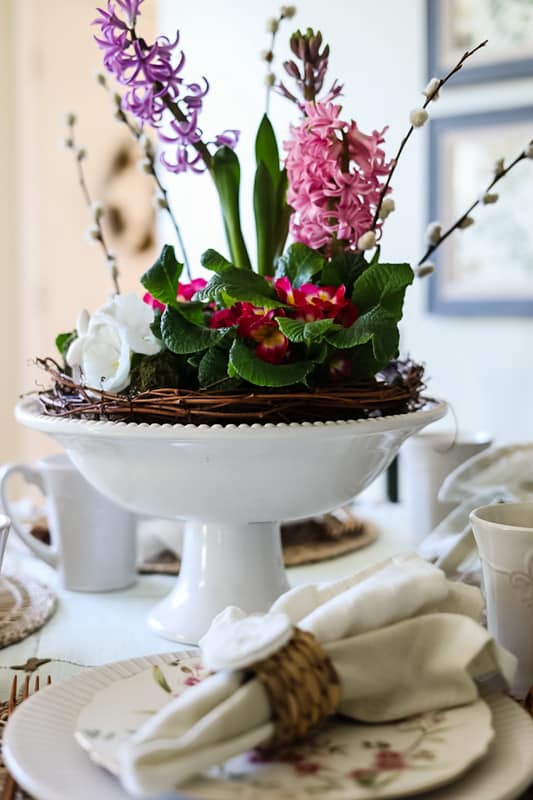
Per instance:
(287,12)
(466,223)
(432,89)
(70,118)
(145,165)
(367,241)
(418,117)
(434,232)
(490,198)
(529,150)
(159,202)
(270,79)
(101,79)
(267,55)
(93,234)
(499,167)
(81,154)
(272,25)
(424,270)
(97,210)
(387,207)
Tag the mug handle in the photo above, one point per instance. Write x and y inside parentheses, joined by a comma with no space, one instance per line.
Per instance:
(30,475)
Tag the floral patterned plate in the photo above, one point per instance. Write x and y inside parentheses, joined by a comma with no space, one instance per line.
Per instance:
(344,761)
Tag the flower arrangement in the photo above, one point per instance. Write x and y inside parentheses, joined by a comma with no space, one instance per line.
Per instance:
(309,332)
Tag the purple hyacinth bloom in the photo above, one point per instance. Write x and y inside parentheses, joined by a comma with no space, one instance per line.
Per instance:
(155,89)
(185,136)
(228,138)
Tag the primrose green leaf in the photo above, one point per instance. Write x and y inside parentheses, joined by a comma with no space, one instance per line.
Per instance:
(244,362)
(297,331)
(213,368)
(300,264)
(162,279)
(383,285)
(215,262)
(344,268)
(182,337)
(378,326)
(239,284)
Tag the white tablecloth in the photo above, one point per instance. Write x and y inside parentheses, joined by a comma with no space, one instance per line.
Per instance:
(93,629)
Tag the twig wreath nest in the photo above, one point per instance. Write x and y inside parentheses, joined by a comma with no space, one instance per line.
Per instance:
(397,390)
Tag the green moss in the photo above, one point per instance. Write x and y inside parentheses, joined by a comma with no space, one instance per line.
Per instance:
(161,371)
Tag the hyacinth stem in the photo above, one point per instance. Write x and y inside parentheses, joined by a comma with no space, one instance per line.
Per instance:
(228,190)
(409,133)
(79,155)
(458,223)
(151,170)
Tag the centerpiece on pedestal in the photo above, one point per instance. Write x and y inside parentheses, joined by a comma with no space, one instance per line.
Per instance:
(258,395)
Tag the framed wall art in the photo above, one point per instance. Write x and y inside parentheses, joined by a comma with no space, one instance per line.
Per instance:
(454,26)
(486,269)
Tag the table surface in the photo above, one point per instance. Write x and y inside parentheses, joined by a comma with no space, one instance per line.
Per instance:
(93,629)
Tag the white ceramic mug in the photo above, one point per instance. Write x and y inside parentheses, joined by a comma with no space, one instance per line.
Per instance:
(93,540)
(5,525)
(425,460)
(504,538)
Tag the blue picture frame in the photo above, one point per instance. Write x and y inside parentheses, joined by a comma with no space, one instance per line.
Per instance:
(471,72)
(438,128)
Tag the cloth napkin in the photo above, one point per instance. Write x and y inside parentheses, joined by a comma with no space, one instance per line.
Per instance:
(403,640)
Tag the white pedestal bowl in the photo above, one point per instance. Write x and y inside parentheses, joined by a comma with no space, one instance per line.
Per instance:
(233,485)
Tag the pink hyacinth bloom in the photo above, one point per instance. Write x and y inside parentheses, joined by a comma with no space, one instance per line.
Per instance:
(336,175)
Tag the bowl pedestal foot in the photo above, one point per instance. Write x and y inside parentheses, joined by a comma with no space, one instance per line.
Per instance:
(222,565)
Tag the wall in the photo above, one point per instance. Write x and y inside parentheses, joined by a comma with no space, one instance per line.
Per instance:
(49,272)
(480,365)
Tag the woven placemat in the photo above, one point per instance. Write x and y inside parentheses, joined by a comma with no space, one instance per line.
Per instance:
(305,542)
(25,605)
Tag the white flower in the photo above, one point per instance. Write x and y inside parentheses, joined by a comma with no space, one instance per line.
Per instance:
(106,341)
(432,88)
(418,117)
(434,232)
(367,241)
(387,207)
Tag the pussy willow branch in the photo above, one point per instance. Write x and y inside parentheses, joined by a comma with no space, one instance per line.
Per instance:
(431,249)
(151,170)
(429,98)
(79,155)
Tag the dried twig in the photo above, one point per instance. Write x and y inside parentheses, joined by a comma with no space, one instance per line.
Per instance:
(149,167)
(461,220)
(96,231)
(438,86)
(398,393)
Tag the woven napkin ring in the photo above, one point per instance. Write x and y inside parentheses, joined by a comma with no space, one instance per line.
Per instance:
(302,685)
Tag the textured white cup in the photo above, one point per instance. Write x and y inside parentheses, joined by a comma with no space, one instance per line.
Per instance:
(425,461)
(504,538)
(5,524)
(93,540)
